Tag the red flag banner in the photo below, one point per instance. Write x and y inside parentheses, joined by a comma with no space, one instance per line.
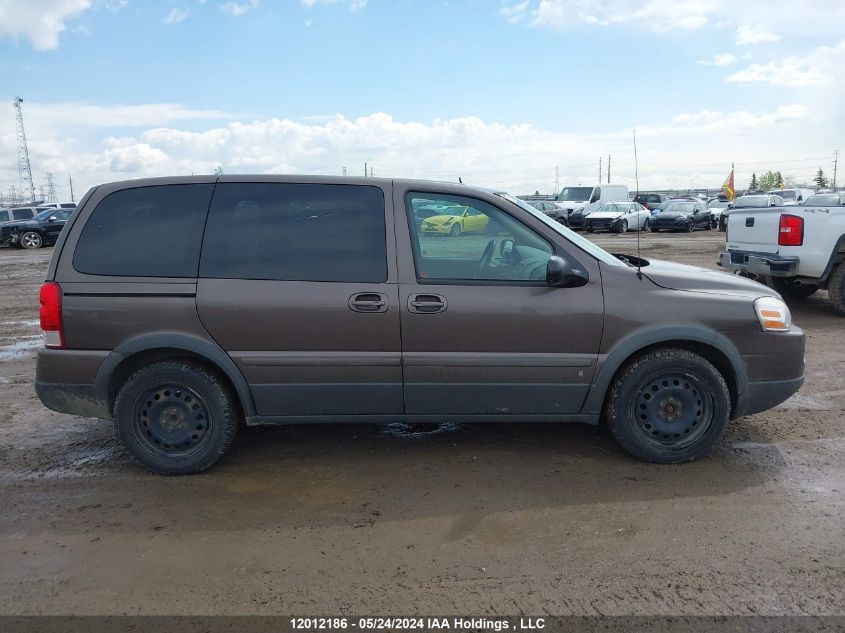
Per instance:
(728,187)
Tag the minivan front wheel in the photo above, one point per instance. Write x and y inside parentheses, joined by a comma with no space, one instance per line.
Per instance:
(176,417)
(668,405)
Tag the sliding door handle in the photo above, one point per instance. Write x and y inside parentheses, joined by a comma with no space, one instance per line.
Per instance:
(368,302)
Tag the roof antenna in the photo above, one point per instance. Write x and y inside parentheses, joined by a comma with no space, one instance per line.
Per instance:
(637,178)
(460,181)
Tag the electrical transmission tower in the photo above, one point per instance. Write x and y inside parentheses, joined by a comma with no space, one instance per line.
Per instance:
(24,169)
(52,196)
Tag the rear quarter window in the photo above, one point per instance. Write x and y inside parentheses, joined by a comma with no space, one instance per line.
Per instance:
(296,232)
(145,232)
(4,216)
(22,214)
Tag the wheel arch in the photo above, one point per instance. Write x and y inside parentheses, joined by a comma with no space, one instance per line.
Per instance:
(712,346)
(138,352)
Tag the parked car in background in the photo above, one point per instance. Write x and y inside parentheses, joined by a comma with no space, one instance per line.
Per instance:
(618,217)
(793,196)
(58,205)
(796,249)
(588,199)
(717,207)
(455,221)
(10,215)
(650,200)
(280,317)
(683,215)
(550,209)
(41,230)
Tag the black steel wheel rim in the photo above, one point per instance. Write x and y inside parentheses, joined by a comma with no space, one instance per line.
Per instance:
(171,420)
(673,409)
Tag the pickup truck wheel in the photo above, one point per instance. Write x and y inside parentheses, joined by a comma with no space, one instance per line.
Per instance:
(668,405)
(789,290)
(176,417)
(836,289)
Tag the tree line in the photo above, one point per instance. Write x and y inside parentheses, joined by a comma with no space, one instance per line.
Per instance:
(776,180)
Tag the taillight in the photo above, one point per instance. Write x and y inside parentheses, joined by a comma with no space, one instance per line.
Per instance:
(791,230)
(50,314)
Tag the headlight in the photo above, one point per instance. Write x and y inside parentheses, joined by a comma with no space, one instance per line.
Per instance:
(773,314)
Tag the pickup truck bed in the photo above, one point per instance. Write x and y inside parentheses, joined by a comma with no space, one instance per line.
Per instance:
(795,249)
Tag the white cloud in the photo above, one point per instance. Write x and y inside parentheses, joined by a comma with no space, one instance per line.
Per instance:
(80,114)
(354,5)
(690,150)
(175,16)
(721,60)
(823,67)
(41,22)
(746,35)
(516,12)
(237,9)
(658,15)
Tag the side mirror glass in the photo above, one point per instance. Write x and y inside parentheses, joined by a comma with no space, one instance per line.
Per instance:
(52,218)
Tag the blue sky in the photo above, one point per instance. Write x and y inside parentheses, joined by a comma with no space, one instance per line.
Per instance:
(502,90)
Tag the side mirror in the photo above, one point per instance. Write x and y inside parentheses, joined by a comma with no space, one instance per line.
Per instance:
(560,274)
(52,218)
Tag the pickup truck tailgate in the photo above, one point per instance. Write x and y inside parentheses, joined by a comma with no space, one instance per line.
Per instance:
(754,229)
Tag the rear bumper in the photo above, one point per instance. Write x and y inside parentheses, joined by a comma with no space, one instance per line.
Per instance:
(765,264)
(74,399)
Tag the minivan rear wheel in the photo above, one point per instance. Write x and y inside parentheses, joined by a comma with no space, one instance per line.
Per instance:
(668,405)
(176,417)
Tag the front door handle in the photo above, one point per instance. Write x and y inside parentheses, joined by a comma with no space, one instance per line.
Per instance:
(368,302)
(426,303)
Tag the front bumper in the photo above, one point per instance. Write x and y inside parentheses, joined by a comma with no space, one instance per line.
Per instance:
(436,229)
(763,395)
(576,221)
(764,264)
(601,224)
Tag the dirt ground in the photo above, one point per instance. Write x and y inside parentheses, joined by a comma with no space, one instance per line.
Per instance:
(480,519)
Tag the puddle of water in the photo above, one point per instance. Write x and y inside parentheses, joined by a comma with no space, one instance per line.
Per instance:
(20,348)
(29,323)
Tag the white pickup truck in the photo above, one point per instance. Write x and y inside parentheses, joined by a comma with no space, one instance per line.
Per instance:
(796,249)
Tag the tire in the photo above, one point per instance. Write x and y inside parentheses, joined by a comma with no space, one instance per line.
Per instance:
(646,225)
(668,405)
(691,226)
(836,289)
(789,290)
(153,406)
(622,227)
(30,240)
(455,231)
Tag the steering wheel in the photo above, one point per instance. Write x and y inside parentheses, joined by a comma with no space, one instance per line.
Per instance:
(486,257)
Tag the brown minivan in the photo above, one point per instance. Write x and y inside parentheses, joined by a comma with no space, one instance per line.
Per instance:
(180,307)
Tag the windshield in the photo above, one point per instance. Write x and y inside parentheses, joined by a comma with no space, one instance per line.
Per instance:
(575,194)
(824,200)
(751,201)
(680,207)
(581,242)
(718,204)
(44,215)
(615,207)
(786,195)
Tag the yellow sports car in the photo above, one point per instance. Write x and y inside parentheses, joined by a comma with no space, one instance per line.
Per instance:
(454,221)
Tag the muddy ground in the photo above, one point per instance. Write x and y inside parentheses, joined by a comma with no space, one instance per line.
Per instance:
(484,519)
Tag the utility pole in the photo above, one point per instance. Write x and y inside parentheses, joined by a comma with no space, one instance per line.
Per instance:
(557,179)
(371,171)
(24,169)
(365,169)
(835,165)
(344,171)
(599,169)
(608,169)
(70,182)
(52,196)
